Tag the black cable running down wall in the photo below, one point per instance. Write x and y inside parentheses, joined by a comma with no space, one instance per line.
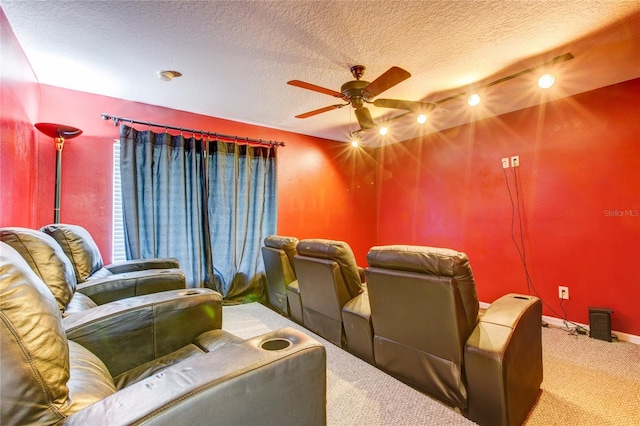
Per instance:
(234,139)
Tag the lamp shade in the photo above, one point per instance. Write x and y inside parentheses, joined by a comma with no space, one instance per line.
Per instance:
(58,130)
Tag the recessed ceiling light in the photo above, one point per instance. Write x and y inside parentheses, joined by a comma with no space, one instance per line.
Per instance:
(546,80)
(168,75)
(422,118)
(473,100)
(383,130)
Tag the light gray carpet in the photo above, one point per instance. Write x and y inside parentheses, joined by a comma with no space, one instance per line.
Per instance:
(357,393)
(586,381)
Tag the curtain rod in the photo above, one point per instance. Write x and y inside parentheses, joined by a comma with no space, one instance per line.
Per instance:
(235,139)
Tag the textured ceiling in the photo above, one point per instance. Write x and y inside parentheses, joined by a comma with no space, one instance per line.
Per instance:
(237,56)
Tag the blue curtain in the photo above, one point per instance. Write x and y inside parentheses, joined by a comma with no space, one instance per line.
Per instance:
(242,205)
(208,204)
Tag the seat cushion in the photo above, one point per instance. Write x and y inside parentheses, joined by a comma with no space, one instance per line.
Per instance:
(79,303)
(46,258)
(101,273)
(215,339)
(206,342)
(89,379)
(149,368)
(79,247)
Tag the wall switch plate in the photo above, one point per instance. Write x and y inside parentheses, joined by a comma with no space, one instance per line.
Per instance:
(505,163)
(563,292)
(515,161)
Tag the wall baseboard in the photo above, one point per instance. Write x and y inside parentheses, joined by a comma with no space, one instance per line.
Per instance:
(558,322)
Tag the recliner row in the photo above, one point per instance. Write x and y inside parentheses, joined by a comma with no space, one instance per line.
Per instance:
(417,318)
(68,260)
(165,348)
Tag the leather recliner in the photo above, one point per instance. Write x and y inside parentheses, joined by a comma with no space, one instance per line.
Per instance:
(84,254)
(283,292)
(328,278)
(153,359)
(48,260)
(427,332)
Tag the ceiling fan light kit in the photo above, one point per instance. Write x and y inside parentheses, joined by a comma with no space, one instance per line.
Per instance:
(358,93)
(355,138)
(168,75)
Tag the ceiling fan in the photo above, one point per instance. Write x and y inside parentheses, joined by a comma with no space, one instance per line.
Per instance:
(358,92)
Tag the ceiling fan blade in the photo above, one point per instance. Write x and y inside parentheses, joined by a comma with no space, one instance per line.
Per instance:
(414,106)
(315,88)
(390,78)
(320,111)
(364,118)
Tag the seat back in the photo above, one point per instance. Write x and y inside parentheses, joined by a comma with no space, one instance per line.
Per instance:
(423,308)
(278,253)
(79,247)
(34,380)
(46,258)
(328,278)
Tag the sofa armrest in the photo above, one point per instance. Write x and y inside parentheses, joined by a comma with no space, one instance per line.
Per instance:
(236,384)
(503,361)
(295,302)
(130,332)
(116,287)
(356,318)
(142,265)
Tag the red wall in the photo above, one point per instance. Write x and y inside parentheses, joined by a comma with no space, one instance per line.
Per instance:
(320,194)
(580,164)
(19,96)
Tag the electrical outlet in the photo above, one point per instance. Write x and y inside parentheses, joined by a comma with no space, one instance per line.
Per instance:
(563,292)
(505,163)
(515,161)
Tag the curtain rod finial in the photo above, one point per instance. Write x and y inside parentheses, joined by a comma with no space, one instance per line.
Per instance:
(105,116)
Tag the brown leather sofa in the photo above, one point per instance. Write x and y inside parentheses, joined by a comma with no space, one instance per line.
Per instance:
(278,253)
(47,258)
(423,311)
(153,359)
(328,278)
(84,254)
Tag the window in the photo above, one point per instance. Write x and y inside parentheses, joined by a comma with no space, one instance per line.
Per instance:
(118,250)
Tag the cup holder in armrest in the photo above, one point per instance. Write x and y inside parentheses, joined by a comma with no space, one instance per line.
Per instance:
(190,292)
(276,344)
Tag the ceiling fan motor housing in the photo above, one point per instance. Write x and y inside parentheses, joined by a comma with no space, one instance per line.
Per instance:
(354,92)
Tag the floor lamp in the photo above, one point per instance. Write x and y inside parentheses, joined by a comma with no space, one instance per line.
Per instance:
(59,133)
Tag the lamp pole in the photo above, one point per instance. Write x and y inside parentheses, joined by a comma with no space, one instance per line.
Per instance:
(59,133)
(56,201)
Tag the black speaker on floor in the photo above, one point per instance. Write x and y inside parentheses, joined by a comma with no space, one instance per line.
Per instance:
(600,323)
